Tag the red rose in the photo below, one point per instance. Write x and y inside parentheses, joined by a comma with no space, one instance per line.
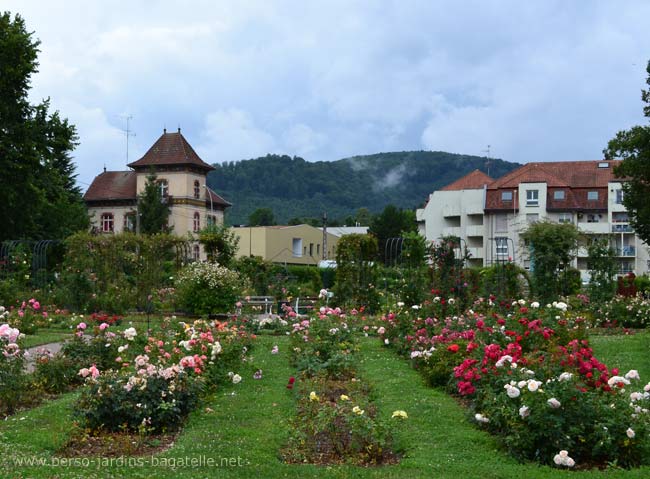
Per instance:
(452,348)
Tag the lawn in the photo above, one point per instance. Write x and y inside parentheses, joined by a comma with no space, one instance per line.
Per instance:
(248,423)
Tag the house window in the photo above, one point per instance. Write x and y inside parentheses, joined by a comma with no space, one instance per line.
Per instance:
(593,218)
(318,249)
(311,249)
(532,218)
(129,222)
(197,190)
(501,224)
(592,195)
(197,222)
(506,196)
(565,218)
(197,252)
(558,195)
(164,188)
(532,197)
(212,220)
(619,197)
(107,222)
(296,247)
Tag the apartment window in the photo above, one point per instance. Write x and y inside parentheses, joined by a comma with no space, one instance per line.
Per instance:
(565,218)
(558,195)
(620,217)
(164,188)
(107,222)
(197,222)
(593,218)
(197,190)
(212,220)
(506,196)
(502,246)
(501,224)
(592,195)
(532,218)
(532,197)
(619,197)
(129,222)
(296,247)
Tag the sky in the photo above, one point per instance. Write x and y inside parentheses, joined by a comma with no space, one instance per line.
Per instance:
(537,80)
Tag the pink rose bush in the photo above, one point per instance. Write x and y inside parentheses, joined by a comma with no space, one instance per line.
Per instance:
(532,378)
(13,380)
(156,381)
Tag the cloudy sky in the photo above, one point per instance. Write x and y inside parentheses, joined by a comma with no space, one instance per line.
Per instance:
(538,80)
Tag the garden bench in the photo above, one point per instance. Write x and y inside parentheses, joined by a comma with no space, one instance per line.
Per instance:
(264,301)
(306,304)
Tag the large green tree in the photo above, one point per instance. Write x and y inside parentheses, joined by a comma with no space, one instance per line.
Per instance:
(261,217)
(552,247)
(633,147)
(153,207)
(38,195)
(391,223)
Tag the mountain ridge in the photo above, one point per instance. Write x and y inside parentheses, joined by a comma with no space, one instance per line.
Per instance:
(293,187)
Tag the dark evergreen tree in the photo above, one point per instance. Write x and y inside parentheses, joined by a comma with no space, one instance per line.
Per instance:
(38,195)
(261,217)
(153,208)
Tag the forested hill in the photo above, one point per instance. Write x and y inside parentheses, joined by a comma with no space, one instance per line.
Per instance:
(293,187)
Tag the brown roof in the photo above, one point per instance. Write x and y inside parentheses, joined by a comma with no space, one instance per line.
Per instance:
(171,149)
(576,178)
(113,185)
(471,181)
(216,200)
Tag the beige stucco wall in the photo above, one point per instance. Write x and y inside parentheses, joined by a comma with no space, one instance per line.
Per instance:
(276,244)
(119,212)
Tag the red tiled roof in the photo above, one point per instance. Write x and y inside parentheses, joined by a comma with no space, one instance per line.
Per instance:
(113,185)
(216,200)
(576,178)
(471,181)
(171,149)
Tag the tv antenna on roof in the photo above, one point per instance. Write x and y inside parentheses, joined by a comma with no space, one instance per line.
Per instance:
(487,161)
(128,133)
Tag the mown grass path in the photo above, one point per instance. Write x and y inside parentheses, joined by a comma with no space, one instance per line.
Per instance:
(251,426)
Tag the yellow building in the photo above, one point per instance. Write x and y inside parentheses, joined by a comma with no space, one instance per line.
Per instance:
(300,244)
(113,195)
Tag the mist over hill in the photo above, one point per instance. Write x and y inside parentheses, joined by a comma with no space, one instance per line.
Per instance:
(294,187)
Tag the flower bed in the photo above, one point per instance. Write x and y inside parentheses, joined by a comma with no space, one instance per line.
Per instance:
(336,421)
(530,377)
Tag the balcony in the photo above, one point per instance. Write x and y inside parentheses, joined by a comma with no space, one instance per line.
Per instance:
(449,211)
(626,251)
(475,252)
(622,228)
(594,228)
(474,209)
(475,230)
(451,231)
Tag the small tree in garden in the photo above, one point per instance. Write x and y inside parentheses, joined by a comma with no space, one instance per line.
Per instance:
(220,243)
(153,208)
(208,288)
(602,268)
(552,246)
(356,272)
(448,275)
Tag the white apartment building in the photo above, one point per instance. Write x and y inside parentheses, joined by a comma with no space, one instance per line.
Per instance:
(488,215)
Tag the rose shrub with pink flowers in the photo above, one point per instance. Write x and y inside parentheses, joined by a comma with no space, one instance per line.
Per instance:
(13,381)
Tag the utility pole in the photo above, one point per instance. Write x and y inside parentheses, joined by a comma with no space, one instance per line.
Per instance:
(325,235)
(487,162)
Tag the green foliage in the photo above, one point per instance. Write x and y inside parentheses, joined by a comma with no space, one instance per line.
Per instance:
(391,223)
(504,280)
(153,208)
(115,273)
(260,274)
(622,311)
(356,273)
(295,188)
(602,268)
(208,288)
(220,243)
(633,147)
(261,217)
(14,382)
(36,169)
(552,246)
